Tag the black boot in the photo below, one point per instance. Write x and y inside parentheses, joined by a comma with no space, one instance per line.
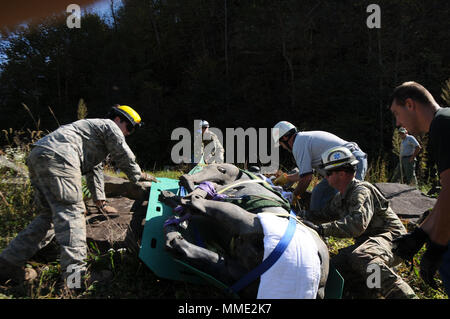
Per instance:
(10,273)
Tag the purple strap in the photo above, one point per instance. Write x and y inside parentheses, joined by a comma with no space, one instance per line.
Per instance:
(176,220)
(208,187)
(179,209)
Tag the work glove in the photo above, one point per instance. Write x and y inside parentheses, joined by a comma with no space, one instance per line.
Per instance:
(430,262)
(317,228)
(103,208)
(148,177)
(407,245)
(281,180)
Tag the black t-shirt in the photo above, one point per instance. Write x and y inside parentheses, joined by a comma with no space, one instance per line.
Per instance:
(439,136)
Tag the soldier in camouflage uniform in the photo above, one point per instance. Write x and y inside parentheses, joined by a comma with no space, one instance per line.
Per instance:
(216,151)
(361,212)
(56,164)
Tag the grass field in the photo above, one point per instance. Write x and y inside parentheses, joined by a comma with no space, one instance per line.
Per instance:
(130,277)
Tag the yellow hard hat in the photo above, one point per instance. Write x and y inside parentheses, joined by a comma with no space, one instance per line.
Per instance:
(131,115)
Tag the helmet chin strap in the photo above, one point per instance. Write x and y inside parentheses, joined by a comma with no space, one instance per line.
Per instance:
(285,145)
(287,142)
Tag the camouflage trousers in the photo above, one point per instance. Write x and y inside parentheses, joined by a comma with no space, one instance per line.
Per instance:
(366,266)
(59,199)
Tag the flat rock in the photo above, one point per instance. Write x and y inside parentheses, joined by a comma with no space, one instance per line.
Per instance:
(121,230)
(124,229)
(406,201)
(116,186)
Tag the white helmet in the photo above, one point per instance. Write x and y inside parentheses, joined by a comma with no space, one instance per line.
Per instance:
(339,156)
(204,123)
(281,129)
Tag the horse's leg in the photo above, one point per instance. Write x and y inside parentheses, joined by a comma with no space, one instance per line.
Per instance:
(187,182)
(235,219)
(244,227)
(224,269)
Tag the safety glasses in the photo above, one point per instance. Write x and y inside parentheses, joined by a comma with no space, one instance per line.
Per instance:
(130,128)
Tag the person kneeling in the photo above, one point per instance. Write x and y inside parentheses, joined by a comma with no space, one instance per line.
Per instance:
(361,212)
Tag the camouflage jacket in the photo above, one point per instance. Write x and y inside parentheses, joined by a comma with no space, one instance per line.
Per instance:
(362,211)
(84,144)
(210,152)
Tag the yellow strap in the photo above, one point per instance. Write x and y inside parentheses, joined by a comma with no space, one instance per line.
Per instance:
(239,183)
(253,176)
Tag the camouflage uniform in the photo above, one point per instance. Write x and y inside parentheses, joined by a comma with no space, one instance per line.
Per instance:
(216,151)
(56,164)
(364,214)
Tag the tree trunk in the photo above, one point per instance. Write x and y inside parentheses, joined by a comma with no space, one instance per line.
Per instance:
(286,58)
(155,29)
(380,87)
(113,14)
(226,39)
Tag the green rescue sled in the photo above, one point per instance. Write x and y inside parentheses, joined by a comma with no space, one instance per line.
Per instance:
(153,254)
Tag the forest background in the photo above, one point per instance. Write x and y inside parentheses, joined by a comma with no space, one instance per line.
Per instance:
(245,64)
(236,64)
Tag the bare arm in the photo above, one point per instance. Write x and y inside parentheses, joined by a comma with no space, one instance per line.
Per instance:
(416,152)
(437,224)
(303,183)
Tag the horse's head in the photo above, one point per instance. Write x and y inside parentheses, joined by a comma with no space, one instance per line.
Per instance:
(218,173)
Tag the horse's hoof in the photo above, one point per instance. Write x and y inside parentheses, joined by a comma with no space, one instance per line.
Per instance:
(172,235)
(169,198)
